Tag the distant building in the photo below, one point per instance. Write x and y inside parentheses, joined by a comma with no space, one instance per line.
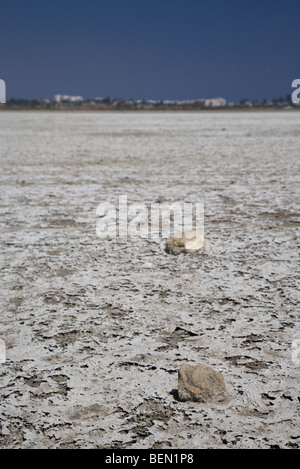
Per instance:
(65,98)
(216,102)
(118,102)
(168,102)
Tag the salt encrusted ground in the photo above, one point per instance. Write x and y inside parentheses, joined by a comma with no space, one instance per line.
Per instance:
(96,330)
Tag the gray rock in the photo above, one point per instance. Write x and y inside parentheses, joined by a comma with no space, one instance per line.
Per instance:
(201,383)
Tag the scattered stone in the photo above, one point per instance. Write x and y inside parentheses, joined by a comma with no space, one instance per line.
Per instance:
(201,383)
(188,242)
(147,265)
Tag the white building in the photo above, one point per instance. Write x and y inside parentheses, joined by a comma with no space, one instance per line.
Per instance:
(65,98)
(215,102)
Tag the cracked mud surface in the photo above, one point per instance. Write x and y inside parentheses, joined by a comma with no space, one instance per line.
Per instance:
(96,329)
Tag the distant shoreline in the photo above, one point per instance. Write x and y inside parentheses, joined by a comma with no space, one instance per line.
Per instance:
(3,108)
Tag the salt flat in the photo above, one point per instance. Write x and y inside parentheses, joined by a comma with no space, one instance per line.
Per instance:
(95,330)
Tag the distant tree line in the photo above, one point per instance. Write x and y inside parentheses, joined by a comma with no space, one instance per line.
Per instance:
(26,103)
(275,102)
(117,103)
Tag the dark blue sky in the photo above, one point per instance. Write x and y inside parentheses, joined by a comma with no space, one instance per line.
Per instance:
(160,49)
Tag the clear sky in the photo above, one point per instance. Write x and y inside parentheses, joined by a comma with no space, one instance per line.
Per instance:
(150,49)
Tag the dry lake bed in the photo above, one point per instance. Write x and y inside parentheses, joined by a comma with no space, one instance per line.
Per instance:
(95,330)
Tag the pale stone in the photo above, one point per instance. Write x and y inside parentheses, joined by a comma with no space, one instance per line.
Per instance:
(187,242)
(201,383)
(147,265)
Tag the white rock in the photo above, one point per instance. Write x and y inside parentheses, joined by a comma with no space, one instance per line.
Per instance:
(188,242)
(147,265)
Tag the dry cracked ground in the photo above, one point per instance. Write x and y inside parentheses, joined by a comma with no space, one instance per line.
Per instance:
(95,330)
